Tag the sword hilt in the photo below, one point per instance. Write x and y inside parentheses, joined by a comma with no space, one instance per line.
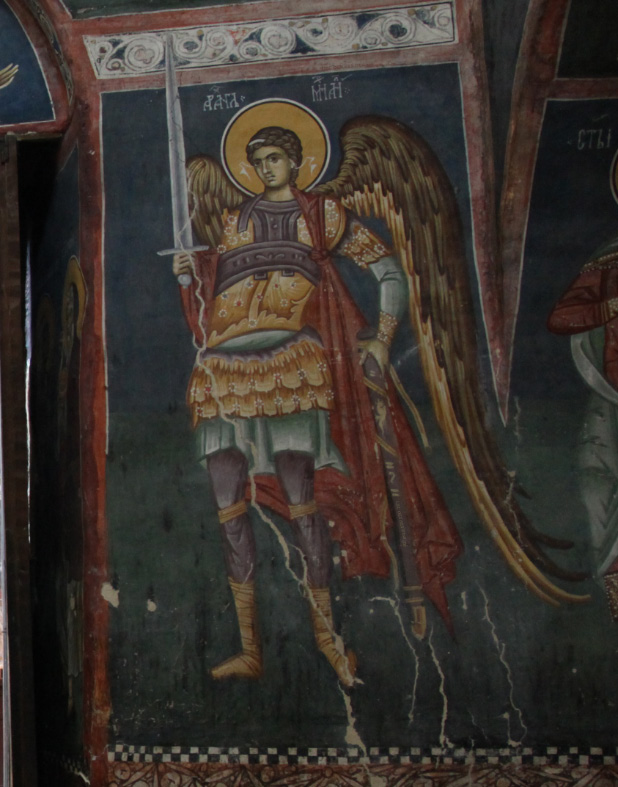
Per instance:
(415,598)
(185,278)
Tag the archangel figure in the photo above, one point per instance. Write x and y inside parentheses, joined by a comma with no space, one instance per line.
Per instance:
(279,396)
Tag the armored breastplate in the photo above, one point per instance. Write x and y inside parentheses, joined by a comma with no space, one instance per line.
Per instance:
(259,259)
(265,284)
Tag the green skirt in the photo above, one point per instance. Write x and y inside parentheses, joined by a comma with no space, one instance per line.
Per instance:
(261,438)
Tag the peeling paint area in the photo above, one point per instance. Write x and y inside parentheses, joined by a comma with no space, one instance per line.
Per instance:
(110,594)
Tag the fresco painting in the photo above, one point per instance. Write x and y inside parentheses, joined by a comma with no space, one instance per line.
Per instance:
(24,95)
(71,543)
(365,550)
(583,315)
(162,501)
(274,413)
(291,525)
(59,304)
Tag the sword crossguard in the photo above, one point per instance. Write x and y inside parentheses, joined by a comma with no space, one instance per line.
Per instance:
(185,278)
(419,618)
(415,598)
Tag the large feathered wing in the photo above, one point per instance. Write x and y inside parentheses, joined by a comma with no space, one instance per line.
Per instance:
(7,75)
(389,171)
(210,193)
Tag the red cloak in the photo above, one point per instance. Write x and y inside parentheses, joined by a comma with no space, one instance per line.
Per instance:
(356,503)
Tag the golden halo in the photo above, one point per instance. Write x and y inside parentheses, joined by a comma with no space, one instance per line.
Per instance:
(274,112)
(613,176)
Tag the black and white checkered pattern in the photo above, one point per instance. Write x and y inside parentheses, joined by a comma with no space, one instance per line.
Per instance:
(396,755)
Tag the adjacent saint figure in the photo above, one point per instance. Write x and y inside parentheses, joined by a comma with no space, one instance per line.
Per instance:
(279,395)
(588,312)
(70,536)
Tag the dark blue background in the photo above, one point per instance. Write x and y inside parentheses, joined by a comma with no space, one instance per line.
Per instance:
(572,213)
(146,333)
(26,99)
(518,670)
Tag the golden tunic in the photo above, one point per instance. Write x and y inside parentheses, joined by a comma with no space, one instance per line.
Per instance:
(271,243)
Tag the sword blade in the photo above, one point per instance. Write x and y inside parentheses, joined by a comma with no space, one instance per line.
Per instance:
(183,232)
(387,440)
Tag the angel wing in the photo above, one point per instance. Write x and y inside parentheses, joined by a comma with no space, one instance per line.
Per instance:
(389,171)
(7,75)
(210,193)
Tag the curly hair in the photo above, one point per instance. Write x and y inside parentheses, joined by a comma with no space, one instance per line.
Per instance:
(278,137)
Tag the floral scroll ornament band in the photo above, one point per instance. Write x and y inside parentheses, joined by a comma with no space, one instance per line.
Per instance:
(275,112)
(402,27)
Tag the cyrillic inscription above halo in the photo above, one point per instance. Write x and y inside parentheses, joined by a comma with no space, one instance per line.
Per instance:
(281,112)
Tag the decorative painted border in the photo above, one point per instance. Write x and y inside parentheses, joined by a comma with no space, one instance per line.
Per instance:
(138,54)
(419,775)
(322,756)
(50,33)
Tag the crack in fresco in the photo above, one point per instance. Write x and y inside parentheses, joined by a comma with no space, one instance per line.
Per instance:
(396,608)
(302,580)
(501,649)
(444,741)
(352,736)
(478,727)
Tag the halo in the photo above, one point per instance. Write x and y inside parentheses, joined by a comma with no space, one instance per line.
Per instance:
(274,112)
(613,176)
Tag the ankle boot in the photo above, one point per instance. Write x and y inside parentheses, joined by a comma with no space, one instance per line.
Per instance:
(342,661)
(247,663)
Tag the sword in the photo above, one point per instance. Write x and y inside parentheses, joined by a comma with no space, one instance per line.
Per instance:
(183,231)
(387,440)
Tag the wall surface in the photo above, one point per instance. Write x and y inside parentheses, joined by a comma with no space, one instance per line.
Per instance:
(469,496)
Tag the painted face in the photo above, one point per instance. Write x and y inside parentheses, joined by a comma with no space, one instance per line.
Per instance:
(273,166)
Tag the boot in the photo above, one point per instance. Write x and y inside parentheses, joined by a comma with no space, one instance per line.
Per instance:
(247,663)
(343,662)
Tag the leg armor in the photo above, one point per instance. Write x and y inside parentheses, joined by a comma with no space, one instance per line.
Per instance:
(295,472)
(228,472)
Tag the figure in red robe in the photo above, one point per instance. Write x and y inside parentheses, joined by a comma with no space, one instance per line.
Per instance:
(279,401)
(288,416)
(588,312)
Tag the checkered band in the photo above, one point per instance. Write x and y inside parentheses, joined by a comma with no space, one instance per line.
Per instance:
(374,755)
